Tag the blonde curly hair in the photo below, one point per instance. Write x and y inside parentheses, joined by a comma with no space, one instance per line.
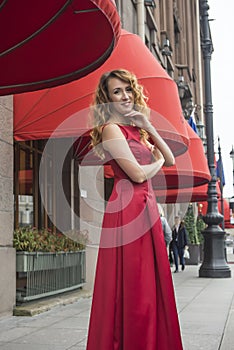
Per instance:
(100,107)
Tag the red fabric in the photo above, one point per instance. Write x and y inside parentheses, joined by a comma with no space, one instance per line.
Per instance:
(48,43)
(108,172)
(184,195)
(190,169)
(38,115)
(133,302)
(226,214)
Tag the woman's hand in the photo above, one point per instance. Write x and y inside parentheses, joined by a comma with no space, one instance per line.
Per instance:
(139,119)
(157,154)
(143,122)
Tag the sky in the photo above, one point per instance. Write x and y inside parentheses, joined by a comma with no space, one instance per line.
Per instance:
(222,75)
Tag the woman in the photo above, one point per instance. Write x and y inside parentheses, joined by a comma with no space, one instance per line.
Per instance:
(133,302)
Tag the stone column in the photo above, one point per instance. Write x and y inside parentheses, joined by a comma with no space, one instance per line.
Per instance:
(7,252)
(92,206)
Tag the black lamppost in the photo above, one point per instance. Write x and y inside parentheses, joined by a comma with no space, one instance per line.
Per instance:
(214,263)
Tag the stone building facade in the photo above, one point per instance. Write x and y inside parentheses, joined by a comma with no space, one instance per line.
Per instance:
(7,252)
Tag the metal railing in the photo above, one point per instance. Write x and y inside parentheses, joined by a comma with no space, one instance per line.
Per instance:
(48,274)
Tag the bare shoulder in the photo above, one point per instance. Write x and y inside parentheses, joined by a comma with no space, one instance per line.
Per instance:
(112,131)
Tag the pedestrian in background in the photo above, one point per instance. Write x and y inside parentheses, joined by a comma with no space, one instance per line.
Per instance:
(165,226)
(179,242)
(166,230)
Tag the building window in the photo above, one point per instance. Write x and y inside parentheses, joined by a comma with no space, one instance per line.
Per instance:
(36,199)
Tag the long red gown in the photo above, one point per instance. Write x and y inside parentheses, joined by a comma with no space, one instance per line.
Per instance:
(133,305)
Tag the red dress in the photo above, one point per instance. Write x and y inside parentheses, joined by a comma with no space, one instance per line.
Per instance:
(133,304)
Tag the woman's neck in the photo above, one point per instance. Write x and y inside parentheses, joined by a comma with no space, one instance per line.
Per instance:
(119,119)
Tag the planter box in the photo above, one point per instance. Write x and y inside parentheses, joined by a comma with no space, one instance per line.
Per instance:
(48,273)
(201,252)
(194,251)
(38,261)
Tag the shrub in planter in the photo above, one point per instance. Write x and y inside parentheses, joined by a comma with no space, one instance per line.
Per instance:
(30,239)
(190,225)
(194,245)
(200,224)
(48,263)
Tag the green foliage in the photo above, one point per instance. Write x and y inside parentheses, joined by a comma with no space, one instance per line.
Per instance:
(200,224)
(33,240)
(190,224)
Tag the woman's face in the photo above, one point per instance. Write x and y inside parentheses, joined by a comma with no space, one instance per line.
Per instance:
(121,95)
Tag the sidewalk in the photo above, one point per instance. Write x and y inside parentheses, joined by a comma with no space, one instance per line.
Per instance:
(205,306)
(206,310)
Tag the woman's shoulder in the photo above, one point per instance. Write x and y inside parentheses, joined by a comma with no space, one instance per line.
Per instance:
(110,126)
(113,130)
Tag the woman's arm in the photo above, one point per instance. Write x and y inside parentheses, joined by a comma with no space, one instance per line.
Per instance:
(162,146)
(116,144)
(142,122)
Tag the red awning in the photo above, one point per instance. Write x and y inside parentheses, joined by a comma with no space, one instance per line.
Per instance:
(184,195)
(226,214)
(39,114)
(48,43)
(190,169)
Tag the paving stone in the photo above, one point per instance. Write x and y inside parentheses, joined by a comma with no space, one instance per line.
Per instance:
(205,307)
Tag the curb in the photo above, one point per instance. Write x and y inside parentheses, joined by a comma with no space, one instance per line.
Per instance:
(43,305)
